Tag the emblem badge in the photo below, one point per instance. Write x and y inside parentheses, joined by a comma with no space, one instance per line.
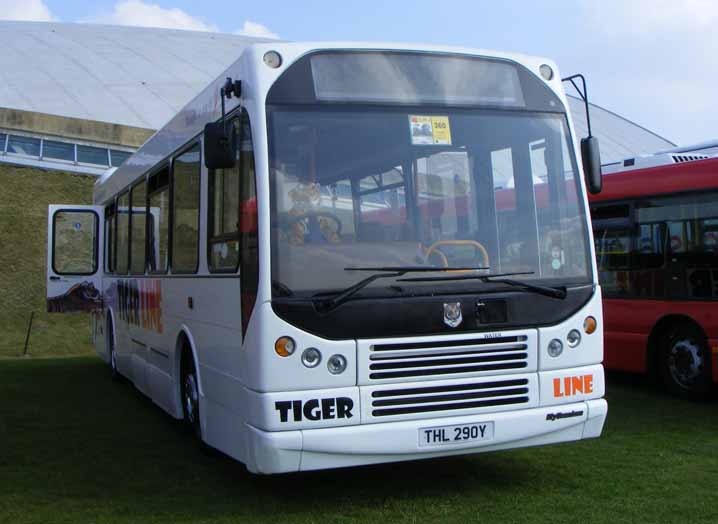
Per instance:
(452,314)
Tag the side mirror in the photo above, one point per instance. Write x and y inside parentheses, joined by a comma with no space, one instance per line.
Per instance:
(591,157)
(219,146)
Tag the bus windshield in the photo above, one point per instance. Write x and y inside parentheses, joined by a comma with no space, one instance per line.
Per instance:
(384,186)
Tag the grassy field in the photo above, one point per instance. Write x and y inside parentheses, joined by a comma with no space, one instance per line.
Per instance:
(76,447)
(24,198)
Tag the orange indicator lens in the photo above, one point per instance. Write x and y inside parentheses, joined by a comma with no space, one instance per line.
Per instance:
(284,346)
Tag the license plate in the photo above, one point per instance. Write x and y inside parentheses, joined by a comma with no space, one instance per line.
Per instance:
(446,435)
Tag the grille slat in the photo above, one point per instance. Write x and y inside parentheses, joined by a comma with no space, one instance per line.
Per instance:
(447,370)
(447,352)
(448,407)
(403,364)
(450,344)
(450,397)
(451,387)
(449,356)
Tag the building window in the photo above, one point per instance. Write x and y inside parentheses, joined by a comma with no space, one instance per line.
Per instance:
(121,257)
(58,150)
(24,145)
(92,155)
(185,211)
(3,140)
(139,228)
(159,214)
(117,158)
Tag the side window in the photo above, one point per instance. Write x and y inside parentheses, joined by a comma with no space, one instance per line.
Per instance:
(158,221)
(185,211)
(74,243)
(123,227)
(139,228)
(248,248)
(110,227)
(223,237)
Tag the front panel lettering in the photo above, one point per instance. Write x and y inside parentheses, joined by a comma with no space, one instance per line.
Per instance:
(314,409)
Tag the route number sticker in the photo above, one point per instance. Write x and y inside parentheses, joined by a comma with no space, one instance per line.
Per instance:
(429,130)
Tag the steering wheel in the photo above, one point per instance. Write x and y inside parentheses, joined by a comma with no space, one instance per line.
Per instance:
(444,259)
(293,219)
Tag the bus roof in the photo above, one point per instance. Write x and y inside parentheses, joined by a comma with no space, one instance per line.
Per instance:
(671,178)
(205,107)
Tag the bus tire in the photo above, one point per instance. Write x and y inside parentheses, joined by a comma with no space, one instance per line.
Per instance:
(685,361)
(190,396)
(114,372)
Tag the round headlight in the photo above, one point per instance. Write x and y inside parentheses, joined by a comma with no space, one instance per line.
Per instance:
(546,71)
(573,338)
(285,346)
(336,364)
(555,347)
(272,59)
(311,357)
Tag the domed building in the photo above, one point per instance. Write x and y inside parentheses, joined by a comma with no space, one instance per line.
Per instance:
(82,97)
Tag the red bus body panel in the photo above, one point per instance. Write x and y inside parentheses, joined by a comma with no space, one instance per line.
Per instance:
(629,322)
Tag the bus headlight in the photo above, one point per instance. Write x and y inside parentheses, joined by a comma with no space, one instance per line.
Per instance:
(336,364)
(573,338)
(285,346)
(555,347)
(311,357)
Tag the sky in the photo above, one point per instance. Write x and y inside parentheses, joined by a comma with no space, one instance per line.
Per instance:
(652,61)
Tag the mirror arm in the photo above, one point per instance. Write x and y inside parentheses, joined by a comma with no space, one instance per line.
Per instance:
(583,94)
(230,87)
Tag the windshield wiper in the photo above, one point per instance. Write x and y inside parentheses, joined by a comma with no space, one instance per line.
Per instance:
(499,278)
(415,269)
(281,289)
(326,305)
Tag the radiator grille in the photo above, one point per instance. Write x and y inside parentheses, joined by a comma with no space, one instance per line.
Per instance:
(435,359)
(397,401)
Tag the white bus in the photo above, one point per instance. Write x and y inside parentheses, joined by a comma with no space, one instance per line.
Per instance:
(356,254)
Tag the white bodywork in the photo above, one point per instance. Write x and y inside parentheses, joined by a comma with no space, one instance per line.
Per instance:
(240,381)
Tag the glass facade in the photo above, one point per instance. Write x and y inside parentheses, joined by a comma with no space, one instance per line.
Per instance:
(67,152)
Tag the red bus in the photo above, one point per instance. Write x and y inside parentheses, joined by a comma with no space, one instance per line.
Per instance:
(656,236)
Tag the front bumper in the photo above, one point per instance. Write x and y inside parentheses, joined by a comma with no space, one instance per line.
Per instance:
(310,449)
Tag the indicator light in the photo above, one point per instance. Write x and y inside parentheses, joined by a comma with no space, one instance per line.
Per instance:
(284,346)
(546,71)
(272,59)
(590,325)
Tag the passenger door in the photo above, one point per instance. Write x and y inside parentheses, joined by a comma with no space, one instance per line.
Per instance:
(74,258)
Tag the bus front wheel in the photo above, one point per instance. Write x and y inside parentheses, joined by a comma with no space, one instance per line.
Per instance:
(685,363)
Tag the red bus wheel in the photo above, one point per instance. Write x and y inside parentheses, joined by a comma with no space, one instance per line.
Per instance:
(685,361)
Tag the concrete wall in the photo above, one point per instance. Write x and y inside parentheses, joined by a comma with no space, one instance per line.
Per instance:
(75,128)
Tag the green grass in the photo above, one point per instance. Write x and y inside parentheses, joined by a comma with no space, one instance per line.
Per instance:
(24,196)
(76,447)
